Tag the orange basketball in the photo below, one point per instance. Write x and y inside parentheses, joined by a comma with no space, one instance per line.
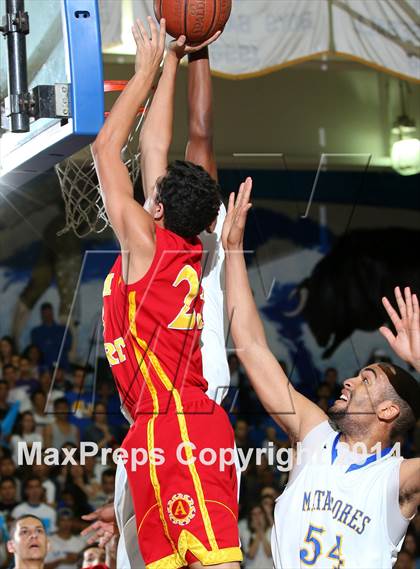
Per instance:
(198,20)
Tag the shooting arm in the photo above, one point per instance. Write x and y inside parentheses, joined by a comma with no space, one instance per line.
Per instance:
(129,220)
(200,119)
(156,133)
(296,414)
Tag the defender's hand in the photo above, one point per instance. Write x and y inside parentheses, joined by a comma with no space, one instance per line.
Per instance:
(150,45)
(406,342)
(234,225)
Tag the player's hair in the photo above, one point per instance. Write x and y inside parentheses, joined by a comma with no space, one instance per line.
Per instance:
(405,420)
(14,522)
(190,197)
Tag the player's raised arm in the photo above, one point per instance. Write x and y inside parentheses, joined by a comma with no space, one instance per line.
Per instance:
(132,225)
(156,134)
(406,342)
(299,415)
(200,113)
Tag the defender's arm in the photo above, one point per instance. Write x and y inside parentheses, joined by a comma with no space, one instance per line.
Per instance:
(296,414)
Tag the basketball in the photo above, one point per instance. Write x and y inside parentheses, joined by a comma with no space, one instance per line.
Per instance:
(198,20)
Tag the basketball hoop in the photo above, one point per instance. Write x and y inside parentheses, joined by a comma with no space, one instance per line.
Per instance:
(84,208)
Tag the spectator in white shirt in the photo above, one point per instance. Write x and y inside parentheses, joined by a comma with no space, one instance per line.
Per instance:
(65,547)
(16,393)
(34,505)
(24,433)
(256,544)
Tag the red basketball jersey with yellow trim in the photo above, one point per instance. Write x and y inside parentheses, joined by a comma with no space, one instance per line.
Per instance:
(161,314)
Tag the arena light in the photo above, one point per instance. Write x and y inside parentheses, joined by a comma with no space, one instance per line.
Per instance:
(405,146)
(405,152)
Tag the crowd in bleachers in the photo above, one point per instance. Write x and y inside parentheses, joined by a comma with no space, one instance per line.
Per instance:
(61,413)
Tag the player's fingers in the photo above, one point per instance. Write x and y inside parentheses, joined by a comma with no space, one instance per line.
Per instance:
(162,34)
(400,302)
(205,43)
(408,302)
(387,334)
(143,32)
(231,203)
(392,313)
(181,41)
(247,189)
(153,30)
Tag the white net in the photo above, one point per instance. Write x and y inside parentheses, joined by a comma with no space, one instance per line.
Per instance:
(85,211)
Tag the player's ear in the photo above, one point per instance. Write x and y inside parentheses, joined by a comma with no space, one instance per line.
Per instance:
(11,546)
(158,212)
(387,411)
(212,226)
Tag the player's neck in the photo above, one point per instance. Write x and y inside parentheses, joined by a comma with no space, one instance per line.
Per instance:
(366,443)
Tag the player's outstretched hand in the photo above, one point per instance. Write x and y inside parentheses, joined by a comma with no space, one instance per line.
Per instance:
(103,528)
(150,45)
(406,341)
(234,225)
(181,48)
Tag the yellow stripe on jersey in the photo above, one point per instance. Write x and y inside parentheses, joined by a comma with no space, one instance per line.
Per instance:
(151,422)
(181,422)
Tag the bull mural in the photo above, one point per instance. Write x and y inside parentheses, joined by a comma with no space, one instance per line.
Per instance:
(343,293)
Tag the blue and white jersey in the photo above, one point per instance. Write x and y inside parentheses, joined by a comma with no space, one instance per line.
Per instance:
(340,509)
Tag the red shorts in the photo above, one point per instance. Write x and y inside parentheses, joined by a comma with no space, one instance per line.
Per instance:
(184,512)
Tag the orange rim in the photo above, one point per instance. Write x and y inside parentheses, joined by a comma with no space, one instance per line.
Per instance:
(111,86)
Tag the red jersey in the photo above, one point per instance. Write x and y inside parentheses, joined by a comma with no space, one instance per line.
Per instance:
(152,327)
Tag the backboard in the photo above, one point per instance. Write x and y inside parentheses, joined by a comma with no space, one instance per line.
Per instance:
(63,49)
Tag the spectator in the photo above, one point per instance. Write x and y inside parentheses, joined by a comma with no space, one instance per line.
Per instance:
(61,431)
(8,495)
(7,350)
(93,555)
(80,400)
(331,379)
(26,379)
(107,489)
(76,482)
(65,547)
(41,417)
(49,336)
(25,433)
(405,561)
(242,439)
(8,413)
(28,542)
(256,543)
(16,393)
(43,471)
(34,356)
(99,432)
(35,505)
(50,391)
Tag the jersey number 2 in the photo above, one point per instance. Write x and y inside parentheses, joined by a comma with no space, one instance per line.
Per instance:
(187,319)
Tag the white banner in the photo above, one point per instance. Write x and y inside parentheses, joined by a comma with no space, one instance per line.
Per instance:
(265,35)
(110,12)
(385,33)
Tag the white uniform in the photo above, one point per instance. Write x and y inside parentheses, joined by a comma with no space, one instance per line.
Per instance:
(215,370)
(338,510)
